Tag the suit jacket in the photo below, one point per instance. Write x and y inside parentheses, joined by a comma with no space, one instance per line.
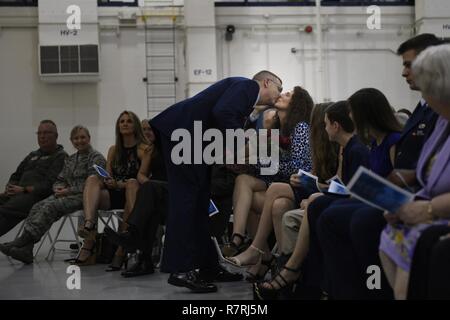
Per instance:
(438,181)
(417,129)
(224,105)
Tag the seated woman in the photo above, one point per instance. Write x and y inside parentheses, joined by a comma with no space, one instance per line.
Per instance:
(148,131)
(67,197)
(431,72)
(339,128)
(294,112)
(127,163)
(282,197)
(148,213)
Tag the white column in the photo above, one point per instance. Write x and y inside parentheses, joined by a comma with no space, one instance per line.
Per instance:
(201,60)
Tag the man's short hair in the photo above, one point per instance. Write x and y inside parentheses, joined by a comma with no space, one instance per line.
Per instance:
(419,43)
(47,121)
(260,76)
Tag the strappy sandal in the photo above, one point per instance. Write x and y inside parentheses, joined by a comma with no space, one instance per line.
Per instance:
(89,260)
(271,293)
(231,249)
(86,230)
(268,265)
(237,263)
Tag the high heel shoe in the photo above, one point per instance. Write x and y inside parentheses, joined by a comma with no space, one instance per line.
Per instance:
(89,260)
(231,249)
(143,266)
(271,293)
(117,262)
(266,266)
(86,230)
(237,263)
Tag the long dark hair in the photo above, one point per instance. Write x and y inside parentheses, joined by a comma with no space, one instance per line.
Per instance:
(371,109)
(138,134)
(299,110)
(324,153)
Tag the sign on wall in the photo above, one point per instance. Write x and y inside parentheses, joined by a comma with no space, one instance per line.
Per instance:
(68,22)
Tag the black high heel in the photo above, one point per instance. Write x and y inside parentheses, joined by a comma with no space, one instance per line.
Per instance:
(89,260)
(271,293)
(117,262)
(269,265)
(231,249)
(143,266)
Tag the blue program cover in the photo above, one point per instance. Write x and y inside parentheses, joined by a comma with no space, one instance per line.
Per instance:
(337,188)
(377,191)
(308,181)
(101,171)
(335,179)
(212,208)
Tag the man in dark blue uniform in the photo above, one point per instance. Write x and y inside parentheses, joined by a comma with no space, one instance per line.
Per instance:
(420,124)
(224,105)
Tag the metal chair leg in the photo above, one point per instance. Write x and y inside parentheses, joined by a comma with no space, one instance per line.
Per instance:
(52,247)
(47,235)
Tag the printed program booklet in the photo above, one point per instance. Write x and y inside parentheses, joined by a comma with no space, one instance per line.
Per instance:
(101,171)
(378,192)
(308,180)
(212,208)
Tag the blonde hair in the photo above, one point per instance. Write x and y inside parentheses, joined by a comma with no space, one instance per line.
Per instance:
(77,128)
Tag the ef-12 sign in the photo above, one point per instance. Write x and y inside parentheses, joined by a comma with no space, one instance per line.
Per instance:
(199,72)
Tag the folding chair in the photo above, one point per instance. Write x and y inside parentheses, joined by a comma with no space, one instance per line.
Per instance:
(51,252)
(105,216)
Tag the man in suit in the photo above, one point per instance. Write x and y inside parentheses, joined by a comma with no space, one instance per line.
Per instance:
(224,105)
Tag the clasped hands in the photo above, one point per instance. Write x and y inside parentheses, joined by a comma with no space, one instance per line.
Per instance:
(410,213)
(113,183)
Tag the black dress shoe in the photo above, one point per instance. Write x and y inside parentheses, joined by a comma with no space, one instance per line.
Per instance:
(127,240)
(220,274)
(192,281)
(143,266)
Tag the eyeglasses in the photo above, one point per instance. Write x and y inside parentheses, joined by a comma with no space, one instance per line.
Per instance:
(279,87)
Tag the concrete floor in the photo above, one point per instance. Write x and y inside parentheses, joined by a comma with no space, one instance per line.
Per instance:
(47,280)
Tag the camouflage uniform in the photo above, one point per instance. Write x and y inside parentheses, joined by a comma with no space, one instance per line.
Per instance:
(39,170)
(77,168)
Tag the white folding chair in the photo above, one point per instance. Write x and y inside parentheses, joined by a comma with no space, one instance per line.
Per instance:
(106,217)
(75,215)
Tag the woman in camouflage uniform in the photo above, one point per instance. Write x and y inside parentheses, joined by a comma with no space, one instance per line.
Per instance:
(67,197)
